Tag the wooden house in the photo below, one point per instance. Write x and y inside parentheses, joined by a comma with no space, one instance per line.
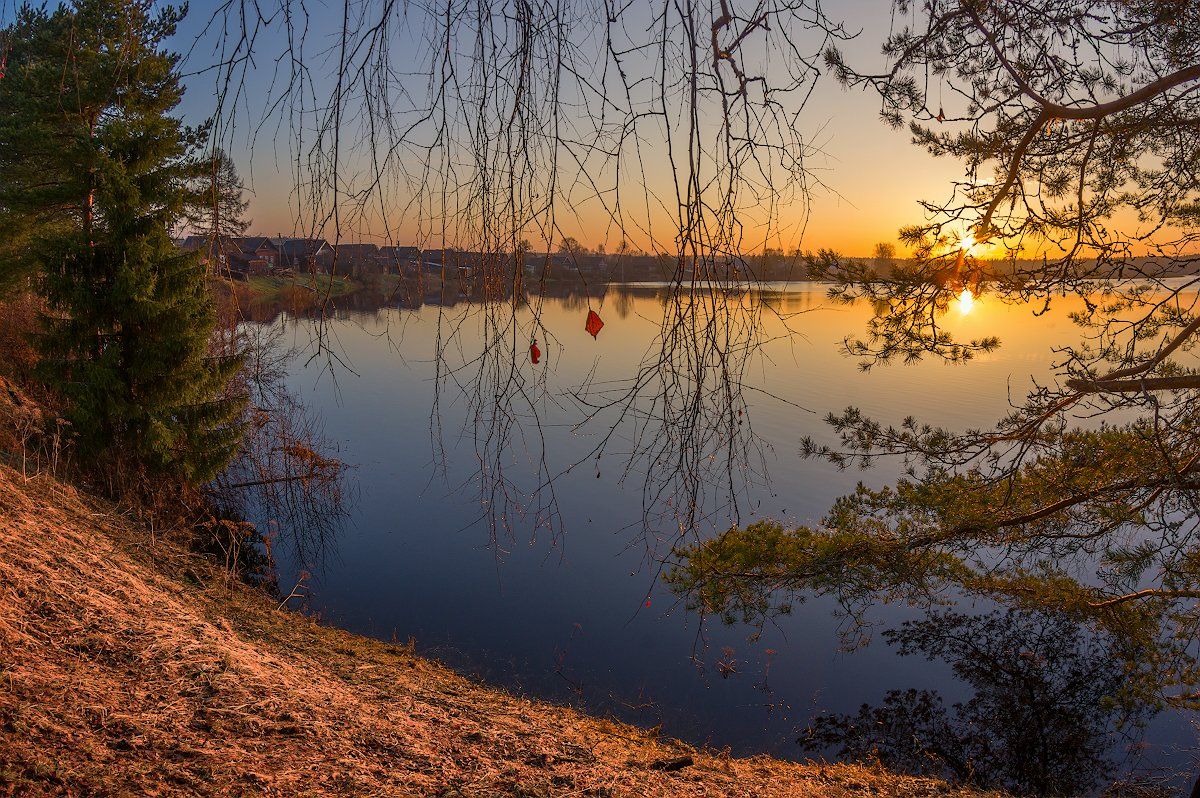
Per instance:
(256,255)
(305,254)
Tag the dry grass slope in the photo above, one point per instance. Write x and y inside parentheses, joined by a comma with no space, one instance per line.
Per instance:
(130,667)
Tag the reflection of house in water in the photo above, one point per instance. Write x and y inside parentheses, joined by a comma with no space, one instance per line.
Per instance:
(440,296)
(414,291)
(788,302)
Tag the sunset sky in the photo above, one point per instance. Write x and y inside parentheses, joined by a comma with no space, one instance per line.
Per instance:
(874,175)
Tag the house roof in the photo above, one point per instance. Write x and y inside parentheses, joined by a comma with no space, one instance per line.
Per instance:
(253,243)
(301,247)
(357,250)
(194,243)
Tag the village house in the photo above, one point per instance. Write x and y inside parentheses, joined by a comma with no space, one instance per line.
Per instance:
(305,254)
(450,263)
(243,256)
(401,260)
(257,255)
(233,256)
(218,256)
(359,259)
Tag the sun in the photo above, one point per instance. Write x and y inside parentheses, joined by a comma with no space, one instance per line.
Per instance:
(967,243)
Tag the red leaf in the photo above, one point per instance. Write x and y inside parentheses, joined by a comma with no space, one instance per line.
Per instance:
(594,323)
(534,352)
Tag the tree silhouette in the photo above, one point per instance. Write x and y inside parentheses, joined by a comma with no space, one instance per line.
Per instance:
(1077,124)
(1049,705)
(218,209)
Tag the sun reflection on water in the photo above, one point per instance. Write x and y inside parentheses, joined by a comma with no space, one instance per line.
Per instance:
(966,301)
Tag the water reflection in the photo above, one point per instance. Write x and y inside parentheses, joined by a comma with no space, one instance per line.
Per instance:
(1051,710)
(966,301)
(567,617)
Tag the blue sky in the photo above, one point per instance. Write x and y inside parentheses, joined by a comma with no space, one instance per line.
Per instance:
(874,174)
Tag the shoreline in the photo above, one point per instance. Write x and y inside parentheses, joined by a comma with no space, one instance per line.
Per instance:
(133,666)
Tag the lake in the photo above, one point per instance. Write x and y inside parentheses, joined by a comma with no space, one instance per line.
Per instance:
(566,605)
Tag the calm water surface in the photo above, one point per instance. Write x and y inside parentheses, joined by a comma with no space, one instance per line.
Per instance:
(567,618)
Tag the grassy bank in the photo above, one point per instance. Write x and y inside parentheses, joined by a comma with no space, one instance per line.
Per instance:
(259,298)
(273,288)
(130,665)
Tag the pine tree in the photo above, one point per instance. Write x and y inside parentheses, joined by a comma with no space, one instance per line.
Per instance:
(39,191)
(128,339)
(224,196)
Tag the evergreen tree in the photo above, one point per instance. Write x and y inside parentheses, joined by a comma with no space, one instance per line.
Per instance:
(39,192)
(224,196)
(128,339)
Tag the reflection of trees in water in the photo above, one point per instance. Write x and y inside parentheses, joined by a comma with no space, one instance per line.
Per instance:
(1084,673)
(672,127)
(678,126)
(1050,706)
(676,426)
(679,425)
(287,476)
(1076,124)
